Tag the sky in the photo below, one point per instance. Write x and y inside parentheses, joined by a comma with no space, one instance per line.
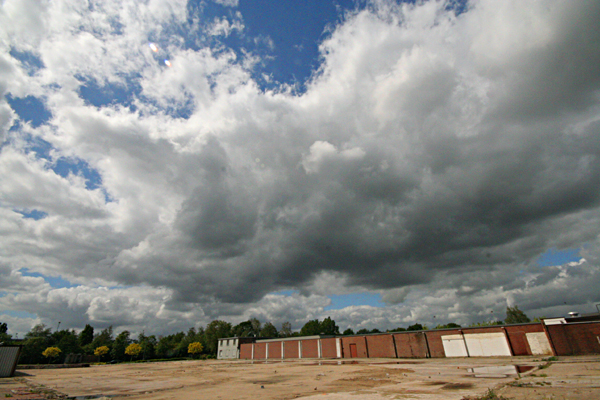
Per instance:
(165,163)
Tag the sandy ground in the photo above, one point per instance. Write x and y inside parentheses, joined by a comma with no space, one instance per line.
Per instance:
(366,379)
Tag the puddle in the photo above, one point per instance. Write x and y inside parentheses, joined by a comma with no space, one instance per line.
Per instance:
(500,371)
(457,386)
(524,368)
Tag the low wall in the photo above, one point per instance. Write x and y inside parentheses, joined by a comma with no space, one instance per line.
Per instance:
(510,340)
(576,338)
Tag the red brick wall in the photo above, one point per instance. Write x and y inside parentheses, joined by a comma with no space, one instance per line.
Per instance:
(275,350)
(434,340)
(410,345)
(517,337)
(310,348)
(328,348)
(290,349)
(260,351)
(381,346)
(246,351)
(361,346)
(487,329)
(575,338)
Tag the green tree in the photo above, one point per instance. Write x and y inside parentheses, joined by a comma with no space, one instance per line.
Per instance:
(447,326)
(195,348)
(243,329)
(348,331)
(515,316)
(67,341)
(4,336)
(148,344)
(104,338)
(36,341)
(121,342)
(269,330)
(86,336)
(214,331)
(133,350)
(312,327)
(328,327)
(286,329)
(363,331)
(417,327)
(399,329)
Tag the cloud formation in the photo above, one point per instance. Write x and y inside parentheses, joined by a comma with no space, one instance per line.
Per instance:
(433,157)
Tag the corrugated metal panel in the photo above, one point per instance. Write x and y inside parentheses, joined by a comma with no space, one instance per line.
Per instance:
(9,355)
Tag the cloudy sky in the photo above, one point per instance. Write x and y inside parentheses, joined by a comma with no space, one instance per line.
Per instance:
(166,163)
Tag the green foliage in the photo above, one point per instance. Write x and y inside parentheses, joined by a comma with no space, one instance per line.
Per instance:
(448,326)
(39,331)
(86,336)
(486,323)
(417,327)
(269,330)
(397,330)
(348,331)
(363,331)
(312,327)
(148,344)
(286,329)
(104,338)
(119,346)
(214,331)
(250,328)
(328,327)
(4,336)
(515,316)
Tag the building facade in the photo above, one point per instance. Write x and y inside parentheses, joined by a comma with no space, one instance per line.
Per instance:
(543,339)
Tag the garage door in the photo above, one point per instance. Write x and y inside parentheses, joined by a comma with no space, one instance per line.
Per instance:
(487,344)
(454,346)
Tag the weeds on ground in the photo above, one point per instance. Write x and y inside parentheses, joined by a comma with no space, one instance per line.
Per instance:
(489,395)
(550,359)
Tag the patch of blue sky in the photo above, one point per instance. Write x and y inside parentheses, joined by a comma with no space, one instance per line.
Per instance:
(558,257)
(285,34)
(107,94)
(19,314)
(33,214)
(286,292)
(29,61)
(355,299)
(64,166)
(30,109)
(54,281)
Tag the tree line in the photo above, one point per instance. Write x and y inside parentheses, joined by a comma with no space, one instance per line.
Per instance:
(41,344)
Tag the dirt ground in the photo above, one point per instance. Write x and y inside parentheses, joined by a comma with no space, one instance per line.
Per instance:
(366,379)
